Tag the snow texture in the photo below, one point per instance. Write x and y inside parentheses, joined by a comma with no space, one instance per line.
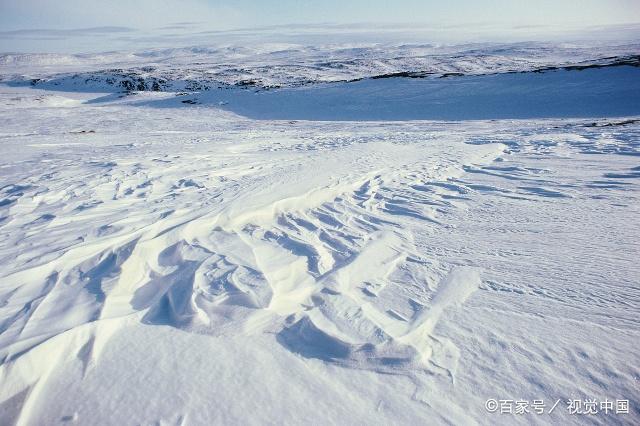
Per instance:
(219,252)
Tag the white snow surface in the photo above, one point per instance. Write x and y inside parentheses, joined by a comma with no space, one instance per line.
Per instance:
(271,64)
(169,263)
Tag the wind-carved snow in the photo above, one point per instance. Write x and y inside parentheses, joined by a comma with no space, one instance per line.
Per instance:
(414,268)
(306,257)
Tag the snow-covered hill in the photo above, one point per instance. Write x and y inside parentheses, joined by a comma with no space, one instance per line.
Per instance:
(287,65)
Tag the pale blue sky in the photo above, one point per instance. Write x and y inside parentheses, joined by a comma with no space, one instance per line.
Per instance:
(82,25)
(28,14)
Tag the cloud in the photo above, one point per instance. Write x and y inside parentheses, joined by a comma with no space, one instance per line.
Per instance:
(181,26)
(36,34)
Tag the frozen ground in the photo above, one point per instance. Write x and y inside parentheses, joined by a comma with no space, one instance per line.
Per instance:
(170,263)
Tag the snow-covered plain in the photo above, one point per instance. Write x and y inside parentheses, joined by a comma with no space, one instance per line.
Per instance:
(217,255)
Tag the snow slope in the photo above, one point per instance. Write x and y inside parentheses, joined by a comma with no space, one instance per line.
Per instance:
(169,263)
(598,92)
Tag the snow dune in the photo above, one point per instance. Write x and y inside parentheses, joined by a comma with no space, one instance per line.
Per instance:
(171,263)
